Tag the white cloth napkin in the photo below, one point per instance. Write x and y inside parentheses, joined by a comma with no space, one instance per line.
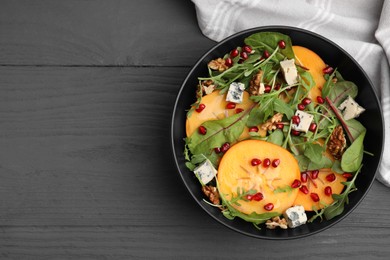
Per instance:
(361,27)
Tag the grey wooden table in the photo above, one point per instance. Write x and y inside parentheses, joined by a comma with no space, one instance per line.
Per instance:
(86,93)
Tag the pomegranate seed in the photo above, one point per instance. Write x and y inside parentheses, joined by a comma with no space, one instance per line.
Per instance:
(282,44)
(279,126)
(269,206)
(247,49)
(277,86)
(304,189)
(314,174)
(295,132)
(202,130)
(304,177)
(313,127)
(234,53)
(255,161)
(327,70)
(314,197)
(328,191)
(330,177)
(267,89)
(225,147)
(266,54)
(275,163)
(217,149)
(239,110)
(296,120)
(249,197)
(266,162)
(320,100)
(244,55)
(230,105)
(258,196)
(347,175)
(200,108)
(253,129)
(228,62)
(306,101)
(301,106)
(296,183)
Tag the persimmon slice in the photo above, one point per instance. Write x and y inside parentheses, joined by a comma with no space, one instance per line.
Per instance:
(310,60)
(236,174)
(317,186)
(216,109)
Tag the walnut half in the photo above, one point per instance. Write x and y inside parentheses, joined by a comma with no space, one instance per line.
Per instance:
(212,193)
(337,142)
(276,222)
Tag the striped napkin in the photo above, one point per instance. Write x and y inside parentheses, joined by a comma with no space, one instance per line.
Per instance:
(361,27)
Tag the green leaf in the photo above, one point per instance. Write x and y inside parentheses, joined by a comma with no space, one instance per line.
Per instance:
(313,152)
(259,114)
(341,90)
(276,137)
(218,132)
(284,189)
(324,163)
(269,41)
(282,107)
(303,162)
(329,84)
(307,80)
(336,167)
(353,156)
(355,128)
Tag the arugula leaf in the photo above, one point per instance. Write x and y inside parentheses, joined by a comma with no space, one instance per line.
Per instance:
(269,41)
(286,188)
(336,167)
(282,107)
(218,132)
(353,156)
(260,113)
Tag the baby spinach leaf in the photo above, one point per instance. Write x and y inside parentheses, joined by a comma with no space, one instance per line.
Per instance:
(313,152)
(353,156)
(355,128)
(218,132)
(324,163)
(336,167)
(329,84)
(269,41)
(276,137)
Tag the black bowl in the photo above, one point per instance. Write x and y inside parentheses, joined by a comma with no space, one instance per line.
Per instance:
(333,55)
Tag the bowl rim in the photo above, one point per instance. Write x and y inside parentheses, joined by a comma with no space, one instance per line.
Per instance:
(255,30)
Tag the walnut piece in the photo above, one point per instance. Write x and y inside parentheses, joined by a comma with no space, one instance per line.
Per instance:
(208,86)
(270,124)
(254,84)
(218,64)
(337,142)
(276,222)
(212,193)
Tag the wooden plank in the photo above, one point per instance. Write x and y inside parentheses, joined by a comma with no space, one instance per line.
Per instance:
(96,33)
(86,172)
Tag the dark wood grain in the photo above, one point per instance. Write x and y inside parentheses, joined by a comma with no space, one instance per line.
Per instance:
(86,94)
(86,171)
(123,33)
